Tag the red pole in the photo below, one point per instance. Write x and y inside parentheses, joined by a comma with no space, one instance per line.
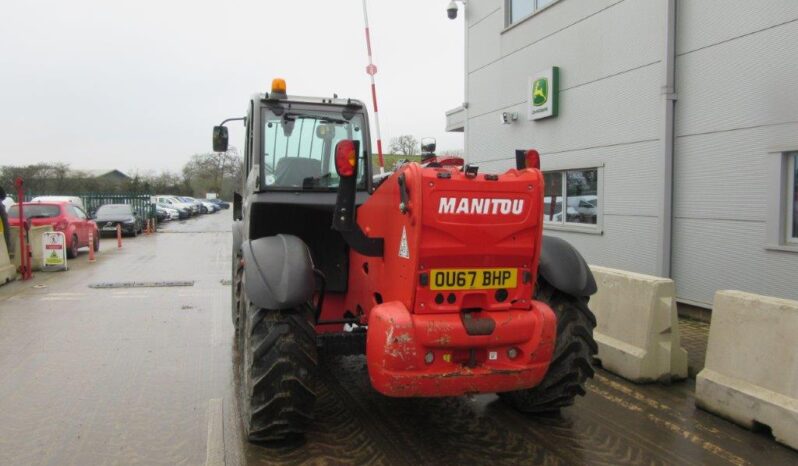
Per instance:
(371,70)
(24,249)
(118,236)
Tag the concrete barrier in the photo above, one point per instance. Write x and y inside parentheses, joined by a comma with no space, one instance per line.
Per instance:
(637,326)
(35,238)
(751,371)
(8,271)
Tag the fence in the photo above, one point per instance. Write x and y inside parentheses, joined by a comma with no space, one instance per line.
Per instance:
(141,202)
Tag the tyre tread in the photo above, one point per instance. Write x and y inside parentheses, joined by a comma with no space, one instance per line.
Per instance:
(571,365)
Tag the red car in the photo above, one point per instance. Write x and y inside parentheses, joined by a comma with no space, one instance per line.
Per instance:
(64,217)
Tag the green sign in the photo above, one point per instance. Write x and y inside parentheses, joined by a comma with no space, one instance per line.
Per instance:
(544,88)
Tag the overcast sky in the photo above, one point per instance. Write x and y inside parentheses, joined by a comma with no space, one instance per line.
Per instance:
(138,85)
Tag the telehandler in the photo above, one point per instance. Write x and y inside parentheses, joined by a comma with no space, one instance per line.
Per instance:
(440,275)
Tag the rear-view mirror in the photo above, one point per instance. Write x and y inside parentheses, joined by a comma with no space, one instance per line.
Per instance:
(220,139)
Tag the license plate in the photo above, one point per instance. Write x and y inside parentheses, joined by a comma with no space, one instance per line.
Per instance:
(109,228)
(473,279)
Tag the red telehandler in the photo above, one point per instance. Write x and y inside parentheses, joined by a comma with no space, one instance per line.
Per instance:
(440,275)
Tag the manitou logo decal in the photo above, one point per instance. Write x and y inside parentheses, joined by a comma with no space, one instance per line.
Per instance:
(477,206)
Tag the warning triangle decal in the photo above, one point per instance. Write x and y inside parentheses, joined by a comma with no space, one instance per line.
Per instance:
(404,251)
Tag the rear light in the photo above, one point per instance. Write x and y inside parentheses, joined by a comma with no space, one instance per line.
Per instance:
(60,225)
(346,157)
(532,159)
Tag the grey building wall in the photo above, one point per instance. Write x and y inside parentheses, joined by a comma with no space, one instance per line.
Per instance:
(737,84)
(610,58)
(611,54)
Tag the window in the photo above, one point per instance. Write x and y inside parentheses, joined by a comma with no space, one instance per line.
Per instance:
(35,211)
(520,9)
(77,212)
(792,198)
(571,197)
(299,147)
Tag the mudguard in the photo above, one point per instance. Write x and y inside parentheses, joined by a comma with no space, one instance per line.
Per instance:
(238,236)
(278,271)
(564,268)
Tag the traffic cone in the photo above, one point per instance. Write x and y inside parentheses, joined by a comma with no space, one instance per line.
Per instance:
(91,247)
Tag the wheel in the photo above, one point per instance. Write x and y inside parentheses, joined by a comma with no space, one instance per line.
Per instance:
(237,289)
(96,241)
(570,366)
(72,252)
(277,372)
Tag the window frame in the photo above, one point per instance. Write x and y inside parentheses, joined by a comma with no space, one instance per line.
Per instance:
(780,199)
(564,225)
(791,238)
(508,12)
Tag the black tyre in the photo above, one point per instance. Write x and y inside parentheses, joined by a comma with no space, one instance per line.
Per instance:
(72,252)
(278,372)
(237,290)
(574,350)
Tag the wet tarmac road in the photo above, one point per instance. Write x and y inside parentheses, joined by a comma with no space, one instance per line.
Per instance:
(144,376)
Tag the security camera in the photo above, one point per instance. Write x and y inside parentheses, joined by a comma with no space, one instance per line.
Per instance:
(451,10)
(508,117)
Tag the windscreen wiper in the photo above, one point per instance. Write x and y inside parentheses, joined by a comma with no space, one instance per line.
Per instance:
(322,119)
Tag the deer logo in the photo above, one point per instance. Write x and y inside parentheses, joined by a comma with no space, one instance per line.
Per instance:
(540,92)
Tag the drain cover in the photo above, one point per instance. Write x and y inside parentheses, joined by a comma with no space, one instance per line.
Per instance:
(165,284)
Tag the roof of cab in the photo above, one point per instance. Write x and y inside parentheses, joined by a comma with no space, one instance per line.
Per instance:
(312,100)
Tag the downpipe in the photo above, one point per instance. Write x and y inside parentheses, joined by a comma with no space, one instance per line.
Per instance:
(665,240)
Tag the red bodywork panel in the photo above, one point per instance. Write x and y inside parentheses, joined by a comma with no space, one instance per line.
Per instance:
(455,222)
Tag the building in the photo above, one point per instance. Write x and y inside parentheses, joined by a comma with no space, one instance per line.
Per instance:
(113,176)
(673,137)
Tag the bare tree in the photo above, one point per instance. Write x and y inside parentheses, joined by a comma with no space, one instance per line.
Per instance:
(406,145)
(214,171)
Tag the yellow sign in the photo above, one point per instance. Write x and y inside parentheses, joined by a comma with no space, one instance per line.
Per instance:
(473,279)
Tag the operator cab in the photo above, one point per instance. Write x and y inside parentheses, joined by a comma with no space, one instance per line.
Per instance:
(291,181)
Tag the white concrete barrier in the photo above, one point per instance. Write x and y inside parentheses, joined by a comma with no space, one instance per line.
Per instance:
(8,271)
(637,326)
(35,238)
(751,371)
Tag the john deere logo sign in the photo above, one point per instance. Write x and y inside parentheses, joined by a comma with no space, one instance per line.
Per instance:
(543,94)
(540,92)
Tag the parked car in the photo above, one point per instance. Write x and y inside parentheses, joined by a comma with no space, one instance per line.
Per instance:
(109,216)
(8,202)
(64,217)
(166,213)
(182,212)
(71,199)
(222,204)
(197,205)
(174,202)
(161,214)
(210,207)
